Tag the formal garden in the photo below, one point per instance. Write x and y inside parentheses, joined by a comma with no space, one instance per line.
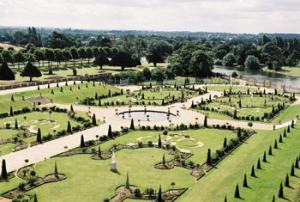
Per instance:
(38,125)
(177,157)
(242,103)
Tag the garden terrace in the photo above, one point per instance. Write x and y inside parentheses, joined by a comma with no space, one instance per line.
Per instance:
(256,106)
(158,95)
(65,94)
(265,185)
(19,131)
(140,153)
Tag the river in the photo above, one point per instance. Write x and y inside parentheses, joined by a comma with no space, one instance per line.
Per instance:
(277,80)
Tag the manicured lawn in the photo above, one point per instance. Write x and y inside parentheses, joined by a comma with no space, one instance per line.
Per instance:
(92,180)
(222,180)
(196,142)
(70,94)
(6,148)
(11,184)
(234,88)
(9,133)
(152,96)
(256,106)
(81,168)
(290,113)
(40,120)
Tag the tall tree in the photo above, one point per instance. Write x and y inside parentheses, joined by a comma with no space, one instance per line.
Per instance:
(6,73)
(4,174)
(157,51)
(101,59)
(31,71)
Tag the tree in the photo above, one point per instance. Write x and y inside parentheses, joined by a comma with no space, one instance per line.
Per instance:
(252,63)
(122,59)
(245,182)
(101,59)
(127,184)
(237,192)
(4,174)
(69,127)
(270,151)
(50,56)
(11,111)
(39,56)
(205,121)
(287,181)
(19,58)
(31,71)
(109,133)
(229,60)
(7,56)
(157,51)
(159,195)
(253,172)
(225,143)
(275,145)
(55,170)
(265,157)
(39,136)
(6,73)
(258,166)
(132,124)
(82,144)
(208,160)
(280,193)
(16,124)
(35,198)
(59,40)
(94,121)
(164,160)
(201,64)
(82,54)
(293,170)
(159,141)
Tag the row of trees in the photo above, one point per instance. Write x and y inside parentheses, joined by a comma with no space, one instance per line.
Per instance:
(187,56)
(29,71)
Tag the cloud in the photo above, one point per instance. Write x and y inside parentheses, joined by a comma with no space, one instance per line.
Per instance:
(246,16)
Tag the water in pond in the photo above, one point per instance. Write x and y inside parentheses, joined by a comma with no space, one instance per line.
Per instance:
(149,115)
(277,79)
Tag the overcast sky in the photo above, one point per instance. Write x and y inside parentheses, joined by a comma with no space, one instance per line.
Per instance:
(242,16)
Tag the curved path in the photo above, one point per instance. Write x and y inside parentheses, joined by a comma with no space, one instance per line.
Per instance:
(109,115)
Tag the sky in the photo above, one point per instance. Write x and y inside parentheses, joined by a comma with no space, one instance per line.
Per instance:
(234,16)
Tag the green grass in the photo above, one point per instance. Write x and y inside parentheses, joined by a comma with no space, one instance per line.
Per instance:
(197,142)
(11,184)
(6,148)
(257,106)
(100,182)
(40,120)
(9,133)
(234,88)
(222,180)
(151,97)
(288,71)
(70,95)
(289,114)
(32,121)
